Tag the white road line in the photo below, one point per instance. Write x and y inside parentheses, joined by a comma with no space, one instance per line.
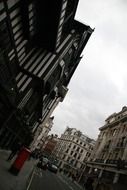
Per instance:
(31,179)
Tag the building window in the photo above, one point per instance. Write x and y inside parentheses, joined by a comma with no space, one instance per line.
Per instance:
(123,128)
(64,156)
(81,150)
(79,157)
(73,139)
(75,164)
(116,156)
(123,141)
(72,161)
(82,166)
(75,155)
(67,150)
(87,154)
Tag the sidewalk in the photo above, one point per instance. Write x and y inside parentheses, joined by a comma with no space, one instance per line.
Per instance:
(9,181)
(67,179)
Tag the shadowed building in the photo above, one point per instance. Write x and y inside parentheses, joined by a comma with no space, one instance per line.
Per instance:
(40,48)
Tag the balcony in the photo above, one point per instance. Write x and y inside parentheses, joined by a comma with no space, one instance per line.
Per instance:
(119,164)
(99,160)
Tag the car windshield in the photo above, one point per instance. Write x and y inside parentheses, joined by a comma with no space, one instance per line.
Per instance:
(54,166)
(45,160)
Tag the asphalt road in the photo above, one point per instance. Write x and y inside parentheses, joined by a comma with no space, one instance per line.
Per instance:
(46,180)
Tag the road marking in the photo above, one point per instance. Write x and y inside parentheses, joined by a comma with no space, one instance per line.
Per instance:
(36,172)
(31,179)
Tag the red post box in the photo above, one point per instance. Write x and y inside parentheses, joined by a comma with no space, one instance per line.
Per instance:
(23,155)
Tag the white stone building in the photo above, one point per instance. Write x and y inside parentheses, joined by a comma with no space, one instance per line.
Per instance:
(43,132)
(73,150)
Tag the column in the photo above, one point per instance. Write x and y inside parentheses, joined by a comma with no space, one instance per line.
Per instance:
(100,174)
(116,178)
(90,170)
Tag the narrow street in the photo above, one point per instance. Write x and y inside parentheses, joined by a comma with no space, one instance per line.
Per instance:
(49,181)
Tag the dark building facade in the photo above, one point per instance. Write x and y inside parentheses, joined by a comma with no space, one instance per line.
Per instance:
(40,48)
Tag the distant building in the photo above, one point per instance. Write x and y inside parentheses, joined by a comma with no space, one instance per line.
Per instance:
(42,134)
(40,48)
(73,150)
(50,145)
(109,158)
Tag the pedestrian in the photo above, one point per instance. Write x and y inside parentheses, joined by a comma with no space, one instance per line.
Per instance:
(14,149)
(89,184)
(73,177)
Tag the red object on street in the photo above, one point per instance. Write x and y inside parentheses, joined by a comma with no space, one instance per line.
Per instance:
(22,156)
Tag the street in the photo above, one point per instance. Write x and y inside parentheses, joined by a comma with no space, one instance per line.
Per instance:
(47,180)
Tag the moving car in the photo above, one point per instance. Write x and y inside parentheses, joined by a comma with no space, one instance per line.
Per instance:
(52,167)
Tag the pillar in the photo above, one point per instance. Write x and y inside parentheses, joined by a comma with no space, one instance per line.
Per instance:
(100,174)
(116,178)
(90,170)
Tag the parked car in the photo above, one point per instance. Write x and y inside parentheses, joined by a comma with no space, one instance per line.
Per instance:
(43,163)
(52,167)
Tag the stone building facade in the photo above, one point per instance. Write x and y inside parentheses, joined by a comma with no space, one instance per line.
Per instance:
(73,150)
(49,145)
(42,134)
(109,158)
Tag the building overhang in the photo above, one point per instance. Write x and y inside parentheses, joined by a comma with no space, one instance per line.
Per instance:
(107,167)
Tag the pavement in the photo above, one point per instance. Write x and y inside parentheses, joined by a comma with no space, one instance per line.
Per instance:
(9,181)
(69,181)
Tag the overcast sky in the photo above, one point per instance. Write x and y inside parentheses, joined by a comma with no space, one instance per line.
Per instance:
(99,86)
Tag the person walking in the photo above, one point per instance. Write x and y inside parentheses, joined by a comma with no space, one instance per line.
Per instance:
(89,184)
